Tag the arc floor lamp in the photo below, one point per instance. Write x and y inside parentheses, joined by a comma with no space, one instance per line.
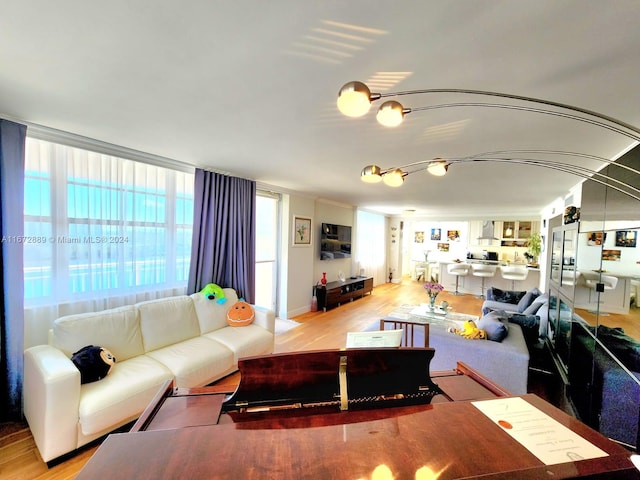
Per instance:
(355,100)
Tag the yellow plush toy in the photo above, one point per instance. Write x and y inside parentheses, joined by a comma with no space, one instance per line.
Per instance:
(469,330)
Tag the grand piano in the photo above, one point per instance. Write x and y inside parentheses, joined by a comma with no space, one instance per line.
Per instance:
(352,414)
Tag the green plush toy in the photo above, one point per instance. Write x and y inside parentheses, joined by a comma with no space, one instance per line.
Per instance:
(214,292)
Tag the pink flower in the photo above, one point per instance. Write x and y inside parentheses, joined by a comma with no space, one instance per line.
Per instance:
(432,287)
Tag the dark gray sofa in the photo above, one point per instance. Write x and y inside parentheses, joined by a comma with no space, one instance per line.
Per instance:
(506,362)
(604,375)
(529,309)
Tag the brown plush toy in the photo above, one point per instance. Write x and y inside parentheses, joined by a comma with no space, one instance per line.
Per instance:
(94,363)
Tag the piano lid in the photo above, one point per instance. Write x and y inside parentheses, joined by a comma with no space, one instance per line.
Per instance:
(348,379)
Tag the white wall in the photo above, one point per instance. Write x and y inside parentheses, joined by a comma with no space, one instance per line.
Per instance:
(590,256)
(327,212)
(417,249)
(297,262)
(302,267)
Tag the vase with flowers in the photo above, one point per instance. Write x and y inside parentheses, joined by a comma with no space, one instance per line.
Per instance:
(433,289)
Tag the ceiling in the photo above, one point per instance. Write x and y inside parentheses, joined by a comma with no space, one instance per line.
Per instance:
(249,88)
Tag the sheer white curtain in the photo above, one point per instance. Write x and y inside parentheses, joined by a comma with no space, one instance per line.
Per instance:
(100,232)
(371,245)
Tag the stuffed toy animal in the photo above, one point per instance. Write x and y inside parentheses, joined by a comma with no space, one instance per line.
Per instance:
(240,314)
(469,330)
(214,292)
(94,363)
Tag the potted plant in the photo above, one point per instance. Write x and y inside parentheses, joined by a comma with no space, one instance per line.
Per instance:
(534,248)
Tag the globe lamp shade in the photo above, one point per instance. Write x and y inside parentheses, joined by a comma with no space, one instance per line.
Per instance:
(354,99)
(390,114)
(371,174)
(394,178)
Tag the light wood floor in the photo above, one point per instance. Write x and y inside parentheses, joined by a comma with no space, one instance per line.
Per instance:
(19,458)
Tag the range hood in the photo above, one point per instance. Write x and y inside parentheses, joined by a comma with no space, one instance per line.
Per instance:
(487,231)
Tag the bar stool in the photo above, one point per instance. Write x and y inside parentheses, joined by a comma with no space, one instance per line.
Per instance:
(484,271)
(515,274)
(607,281)
(459,270)
(421,272)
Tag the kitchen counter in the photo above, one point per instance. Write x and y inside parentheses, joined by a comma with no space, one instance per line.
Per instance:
(473,285)
(498,263)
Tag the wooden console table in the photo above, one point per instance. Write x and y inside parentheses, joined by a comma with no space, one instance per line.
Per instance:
(336,293)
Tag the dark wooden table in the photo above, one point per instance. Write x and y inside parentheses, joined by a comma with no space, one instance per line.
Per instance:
(407,327)
(450,439)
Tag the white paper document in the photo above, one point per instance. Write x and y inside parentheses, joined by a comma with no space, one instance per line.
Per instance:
(384,338)
(539,433)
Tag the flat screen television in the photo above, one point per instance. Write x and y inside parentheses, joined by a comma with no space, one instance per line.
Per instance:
(335,241)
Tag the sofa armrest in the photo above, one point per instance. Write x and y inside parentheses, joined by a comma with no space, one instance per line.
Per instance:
(265,318)
(51,400)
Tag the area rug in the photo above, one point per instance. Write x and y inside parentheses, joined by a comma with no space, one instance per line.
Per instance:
(284,325)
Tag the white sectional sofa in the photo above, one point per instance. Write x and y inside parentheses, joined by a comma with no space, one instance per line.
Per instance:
(185,338)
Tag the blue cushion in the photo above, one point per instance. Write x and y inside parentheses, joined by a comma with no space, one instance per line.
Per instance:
(533,309)
(504,296)
(495,329)
(530,325)
(528,299)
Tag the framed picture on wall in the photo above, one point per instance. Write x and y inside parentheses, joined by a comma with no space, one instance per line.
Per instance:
(626,238)
(596,238)
(436,234)
(301,231)
(443,247)
(419,237)
(611,255)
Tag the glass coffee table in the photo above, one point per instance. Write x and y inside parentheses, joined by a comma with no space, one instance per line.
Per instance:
(408,317)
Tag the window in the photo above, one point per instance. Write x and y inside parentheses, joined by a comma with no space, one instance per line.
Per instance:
(267,244)
(98,226)
(370,245)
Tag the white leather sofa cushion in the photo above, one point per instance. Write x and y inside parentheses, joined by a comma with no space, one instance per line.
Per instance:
(211,314)
(167,321)
(196,361)
(244,341)
(118,330)
(123,394)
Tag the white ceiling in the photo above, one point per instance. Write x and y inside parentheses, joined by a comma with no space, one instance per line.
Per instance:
(248,87)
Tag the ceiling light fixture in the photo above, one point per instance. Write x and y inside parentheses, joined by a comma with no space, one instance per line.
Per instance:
(394,177)
(391,113)
(438,165)
(355,98)
(371,174)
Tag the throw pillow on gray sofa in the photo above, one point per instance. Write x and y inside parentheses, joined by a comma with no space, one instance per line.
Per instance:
(505,296)
(535,305)
(491,324)
(530,325)
(528,299)
(515,301)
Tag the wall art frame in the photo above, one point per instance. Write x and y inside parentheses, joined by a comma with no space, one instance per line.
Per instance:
(301,234)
